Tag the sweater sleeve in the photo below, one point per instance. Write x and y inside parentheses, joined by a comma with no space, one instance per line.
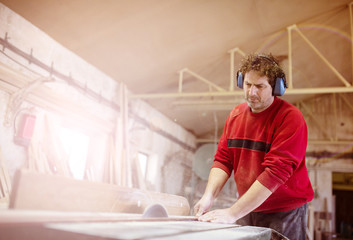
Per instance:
(223,157)
(287,150)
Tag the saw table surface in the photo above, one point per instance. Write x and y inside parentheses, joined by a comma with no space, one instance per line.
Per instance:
(191,230)
(42,225)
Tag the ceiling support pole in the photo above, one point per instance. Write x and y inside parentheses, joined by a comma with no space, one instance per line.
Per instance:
(232,69)
(123,165)
(334,103)
(290,71)
(351,24)
(181,73)
(231,83)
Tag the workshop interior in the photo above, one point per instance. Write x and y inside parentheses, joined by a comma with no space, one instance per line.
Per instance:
(111,112)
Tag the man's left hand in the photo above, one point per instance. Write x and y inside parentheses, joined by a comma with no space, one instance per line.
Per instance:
(219,216)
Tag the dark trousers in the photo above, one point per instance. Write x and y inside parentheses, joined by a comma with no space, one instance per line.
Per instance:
(292,224)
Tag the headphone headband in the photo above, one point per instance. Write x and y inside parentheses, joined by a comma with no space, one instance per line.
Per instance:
(269,59)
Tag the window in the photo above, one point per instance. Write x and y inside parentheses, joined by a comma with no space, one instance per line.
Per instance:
(142,160)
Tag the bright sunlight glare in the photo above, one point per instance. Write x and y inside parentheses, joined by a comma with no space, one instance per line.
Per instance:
(76,146)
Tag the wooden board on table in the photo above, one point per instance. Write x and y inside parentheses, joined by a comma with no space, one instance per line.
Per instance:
(5,181)
(33,217)
(36,191)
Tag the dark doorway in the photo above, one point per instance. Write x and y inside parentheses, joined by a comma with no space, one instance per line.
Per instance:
(343,190)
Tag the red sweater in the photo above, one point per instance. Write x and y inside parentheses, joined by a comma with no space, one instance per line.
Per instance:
(269,147)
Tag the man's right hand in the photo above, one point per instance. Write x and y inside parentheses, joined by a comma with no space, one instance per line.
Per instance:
(203,205)
(216,181)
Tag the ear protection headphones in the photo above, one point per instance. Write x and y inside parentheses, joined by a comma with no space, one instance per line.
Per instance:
(280,83)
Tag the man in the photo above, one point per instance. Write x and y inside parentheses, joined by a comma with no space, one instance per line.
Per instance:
(264,143)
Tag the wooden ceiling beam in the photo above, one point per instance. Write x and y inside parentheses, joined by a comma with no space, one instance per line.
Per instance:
(297,91)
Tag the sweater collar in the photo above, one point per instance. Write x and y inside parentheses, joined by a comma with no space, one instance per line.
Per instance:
(276,100)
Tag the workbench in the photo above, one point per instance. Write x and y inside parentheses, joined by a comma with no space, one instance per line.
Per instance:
(51,207)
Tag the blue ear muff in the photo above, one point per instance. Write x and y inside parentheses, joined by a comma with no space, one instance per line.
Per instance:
(279,88)
(240,80)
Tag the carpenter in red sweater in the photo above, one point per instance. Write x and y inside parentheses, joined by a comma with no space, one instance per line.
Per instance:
(264,143)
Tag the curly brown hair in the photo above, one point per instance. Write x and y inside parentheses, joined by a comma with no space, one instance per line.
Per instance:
(266,65)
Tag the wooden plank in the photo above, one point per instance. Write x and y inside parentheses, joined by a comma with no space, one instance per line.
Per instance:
(36,191)
(3,189)
(14,216)
(5,180)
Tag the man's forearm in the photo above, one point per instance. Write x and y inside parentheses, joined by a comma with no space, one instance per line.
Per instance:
(252,199)
(216,181)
